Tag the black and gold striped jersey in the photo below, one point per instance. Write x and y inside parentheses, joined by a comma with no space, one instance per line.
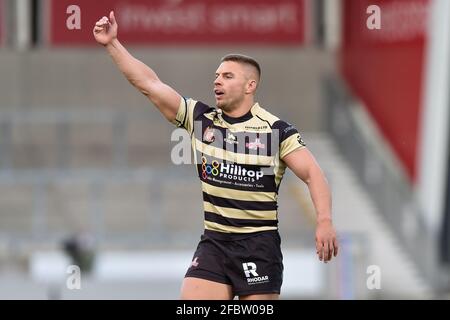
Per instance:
(239,163)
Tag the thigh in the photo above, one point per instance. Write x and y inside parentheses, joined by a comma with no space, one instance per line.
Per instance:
(205,278)
(269,296)
(201,289)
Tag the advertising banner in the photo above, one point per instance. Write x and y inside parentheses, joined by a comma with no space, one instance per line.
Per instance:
(384,66)
(180,22)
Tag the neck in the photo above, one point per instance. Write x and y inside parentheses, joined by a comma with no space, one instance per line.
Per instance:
(240,110)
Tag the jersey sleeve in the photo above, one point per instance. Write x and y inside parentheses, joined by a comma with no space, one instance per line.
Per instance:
(185,113)
(289,138)
(189,111)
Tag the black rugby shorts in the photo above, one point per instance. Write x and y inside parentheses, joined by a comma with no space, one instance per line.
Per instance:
(253,265)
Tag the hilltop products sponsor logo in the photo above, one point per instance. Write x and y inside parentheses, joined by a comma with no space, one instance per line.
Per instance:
(229,171)
(255,144)
(209,169)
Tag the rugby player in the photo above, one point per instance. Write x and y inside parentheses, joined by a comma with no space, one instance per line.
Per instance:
(241,151)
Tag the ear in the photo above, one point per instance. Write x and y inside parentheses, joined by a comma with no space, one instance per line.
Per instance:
(251,86)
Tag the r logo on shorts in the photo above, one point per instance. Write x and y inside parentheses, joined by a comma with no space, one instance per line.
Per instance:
(252,265)
(249,268)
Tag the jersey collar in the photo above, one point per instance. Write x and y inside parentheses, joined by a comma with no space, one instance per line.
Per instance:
(243,118)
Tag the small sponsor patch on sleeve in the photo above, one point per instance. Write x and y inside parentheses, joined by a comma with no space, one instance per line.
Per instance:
(300,140)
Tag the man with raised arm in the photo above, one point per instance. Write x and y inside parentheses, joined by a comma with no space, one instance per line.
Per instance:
(241,152)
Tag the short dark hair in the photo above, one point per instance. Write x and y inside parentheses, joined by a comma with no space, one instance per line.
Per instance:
(242,59)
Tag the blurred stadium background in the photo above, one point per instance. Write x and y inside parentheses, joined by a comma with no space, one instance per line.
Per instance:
(85,167)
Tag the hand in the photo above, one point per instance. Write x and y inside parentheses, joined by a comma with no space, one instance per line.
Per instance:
(105,30)
(326,242)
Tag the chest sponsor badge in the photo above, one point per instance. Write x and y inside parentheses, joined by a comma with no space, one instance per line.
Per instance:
(208,135)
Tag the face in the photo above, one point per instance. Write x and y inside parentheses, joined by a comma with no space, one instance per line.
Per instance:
(231,85)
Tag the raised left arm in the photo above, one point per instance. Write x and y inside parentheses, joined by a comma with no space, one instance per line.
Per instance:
(303,164)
